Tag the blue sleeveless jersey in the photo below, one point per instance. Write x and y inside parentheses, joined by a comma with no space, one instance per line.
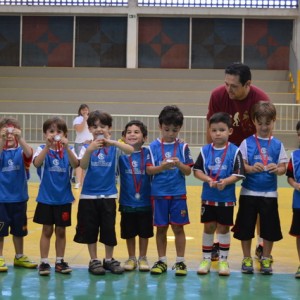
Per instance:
(212,166)
(169,182)
(13,179)
(100,176)
(127,186)
(295,158)
(55,175)
(264,181)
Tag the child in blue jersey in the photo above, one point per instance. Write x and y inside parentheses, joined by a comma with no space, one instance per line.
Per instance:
(293,178)
(264,158)
(170,161)
(97,204)
(135,204)
(54,161)
(15,160)
(219,165)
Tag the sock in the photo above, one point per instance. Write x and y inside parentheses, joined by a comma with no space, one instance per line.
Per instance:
(179,259)
(18,256)
(132,257)
(224,240)
(207,243)
(163,259)
(45,260)
(93,259)
(108,259)
(59,259)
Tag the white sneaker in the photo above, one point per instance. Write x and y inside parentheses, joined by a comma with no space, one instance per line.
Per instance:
(143,265)
(76,185)
(204,267)
(224,268)
(130,264)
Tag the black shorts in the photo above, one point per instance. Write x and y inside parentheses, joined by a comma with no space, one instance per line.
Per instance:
(221,214)
(295,226)
(94,216)
(249,208)
(13,216)
(58,215)
(136,224)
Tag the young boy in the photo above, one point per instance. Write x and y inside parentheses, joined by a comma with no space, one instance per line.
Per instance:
(219,165)
(135,189)
(54,162)
(264,158)
(97,204)
(293,178)
(169,163)
(15,160)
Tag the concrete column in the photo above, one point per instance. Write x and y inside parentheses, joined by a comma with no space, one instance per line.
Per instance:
(132,35)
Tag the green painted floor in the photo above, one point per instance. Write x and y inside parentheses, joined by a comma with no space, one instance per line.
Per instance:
(27,284)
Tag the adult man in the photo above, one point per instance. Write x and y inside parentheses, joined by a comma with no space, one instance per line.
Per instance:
(236,97)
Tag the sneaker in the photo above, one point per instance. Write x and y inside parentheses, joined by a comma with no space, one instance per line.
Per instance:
(44,269)
(76,185)
(266,266)
(62,267)
(159,267)
(130,264)
(96,268)
(247,265)
(297,274)
(204,267)
(24,262)
(224,268)
(113,266)
(3,266)
(215,252)
(143,265)
(180,268)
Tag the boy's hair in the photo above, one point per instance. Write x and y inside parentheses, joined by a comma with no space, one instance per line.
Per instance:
(298,126)
(98,115)
(139,124)
(241,70)
(82,106)
(10,121)
(221,117)
(60,125)
(171,115)
(263,109)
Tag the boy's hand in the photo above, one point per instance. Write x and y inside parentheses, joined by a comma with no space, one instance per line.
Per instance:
(272,168)
(258,168)
(64,141)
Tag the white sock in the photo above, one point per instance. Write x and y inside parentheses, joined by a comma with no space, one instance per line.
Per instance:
(163,259)
(207,243)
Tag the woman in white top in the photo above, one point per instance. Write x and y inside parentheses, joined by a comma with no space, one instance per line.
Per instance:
(83,136)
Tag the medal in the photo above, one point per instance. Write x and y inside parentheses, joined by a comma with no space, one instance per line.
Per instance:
(137,184)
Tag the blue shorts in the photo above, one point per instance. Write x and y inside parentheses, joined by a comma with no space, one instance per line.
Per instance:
(13,215)
(170,211)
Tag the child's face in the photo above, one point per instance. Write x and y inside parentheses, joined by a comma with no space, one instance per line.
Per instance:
(219,133)
(84,111)
(100,129)
(11,141)
(169,133)
(52,131)
(134,136)
(264,127)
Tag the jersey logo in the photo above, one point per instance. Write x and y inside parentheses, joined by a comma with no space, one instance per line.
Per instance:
(10,162)
(168,155)
(55,162)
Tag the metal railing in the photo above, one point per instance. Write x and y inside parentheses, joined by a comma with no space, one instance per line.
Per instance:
(193,130)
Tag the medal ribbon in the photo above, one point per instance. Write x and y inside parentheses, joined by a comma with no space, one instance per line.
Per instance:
(264,158)
(137,185)
(214,178)
(163,149)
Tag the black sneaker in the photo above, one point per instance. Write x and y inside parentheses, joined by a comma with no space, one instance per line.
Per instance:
(44,269)
(113,266)
(96,268)
(62,267)
(215,252)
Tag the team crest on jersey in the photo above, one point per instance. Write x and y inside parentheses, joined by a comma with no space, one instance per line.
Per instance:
(168,155)
(183,213)
(264,151)
(10,162)
(101,156)
(134,164)
(55,162)
(218,160)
